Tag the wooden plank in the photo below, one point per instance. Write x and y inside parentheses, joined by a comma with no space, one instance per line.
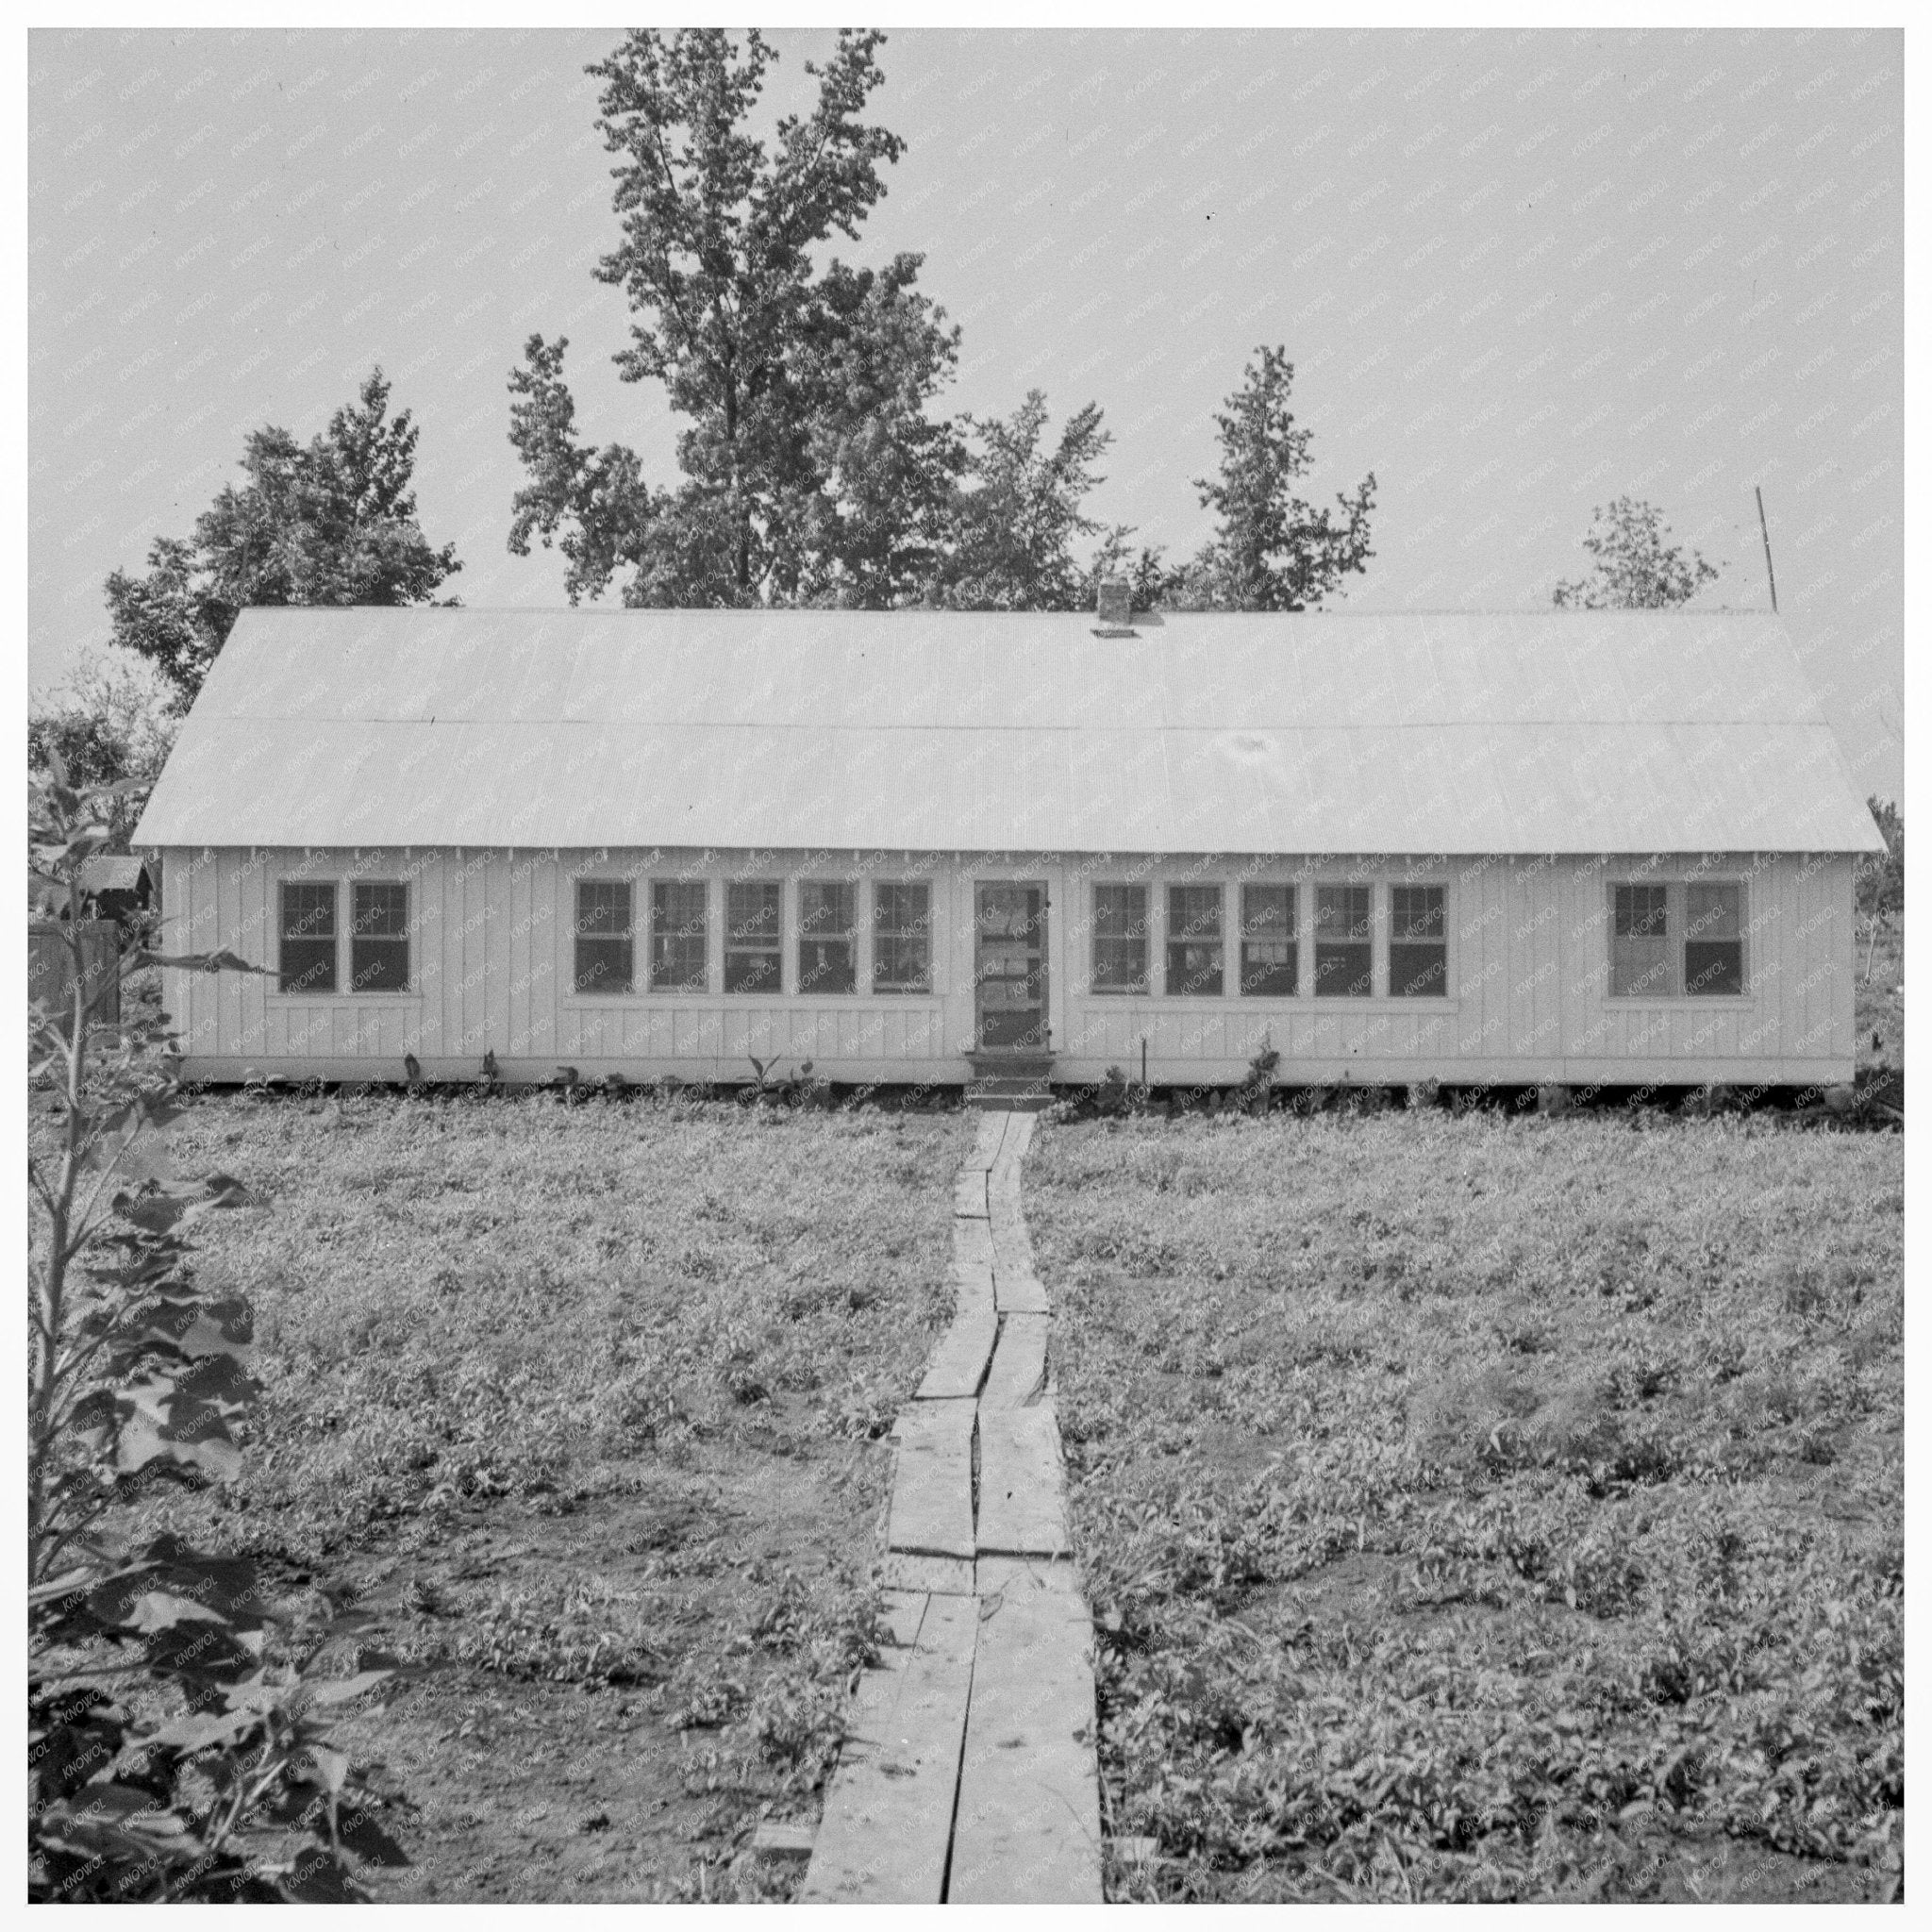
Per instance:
(1028,1827)
(1017,1289)
(973,1243)
(889,1814)
(1022,1512)
(958,1366)
(928,1575)
(1019,1363)
(932,1485)
(986,1144)
(969,1194)
(1018,1137)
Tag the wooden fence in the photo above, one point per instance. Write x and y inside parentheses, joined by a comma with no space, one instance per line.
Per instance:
(50,967)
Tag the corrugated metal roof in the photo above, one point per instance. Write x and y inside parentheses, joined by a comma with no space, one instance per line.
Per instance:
(112,873)
(1555,731)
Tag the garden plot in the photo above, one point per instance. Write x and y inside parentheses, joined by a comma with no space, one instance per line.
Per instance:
(1477,1507)
(592,1398)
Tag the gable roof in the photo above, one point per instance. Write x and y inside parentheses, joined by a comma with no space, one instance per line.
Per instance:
(1558,731)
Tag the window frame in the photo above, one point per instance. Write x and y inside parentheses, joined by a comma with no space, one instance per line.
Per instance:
(1144,987)
(1174,986)
(900,935)
(1678,938)
(405,939)
(1391,940)
(334,990)
(1352,944)
(852,934)
(774,951)
(1247,933)
(680,935)
(628,936)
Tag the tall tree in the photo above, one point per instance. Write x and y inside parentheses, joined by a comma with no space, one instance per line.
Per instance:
(1015,524)
(813,472)
(331,524)
(1634,568)
(1272,550)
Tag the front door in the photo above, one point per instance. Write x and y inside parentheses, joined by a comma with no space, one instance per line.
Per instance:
(1009,966)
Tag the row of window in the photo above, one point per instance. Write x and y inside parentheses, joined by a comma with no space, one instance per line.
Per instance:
(605,937)
(678,954)
(1268,942)
(1655,951)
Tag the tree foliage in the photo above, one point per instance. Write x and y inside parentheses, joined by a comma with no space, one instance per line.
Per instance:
(1016,523)
(174,1745)
(1272,550)
(811,469)
(1634,568)
(334,523)
(113,719)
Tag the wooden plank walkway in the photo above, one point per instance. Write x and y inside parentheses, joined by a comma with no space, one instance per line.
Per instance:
(971,1775)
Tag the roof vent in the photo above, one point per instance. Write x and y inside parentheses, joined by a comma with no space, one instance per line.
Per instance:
(1114,609)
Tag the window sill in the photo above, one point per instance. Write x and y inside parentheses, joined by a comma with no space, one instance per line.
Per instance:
(412,998)
(1675,1003)
(726,1002)
(1323,1003)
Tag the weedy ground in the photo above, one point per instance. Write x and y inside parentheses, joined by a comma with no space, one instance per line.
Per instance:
(1485,1508)
(589,1399)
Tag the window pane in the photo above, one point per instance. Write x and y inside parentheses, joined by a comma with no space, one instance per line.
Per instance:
(1713,967)
(678,939)
(1119,939)
(1344,972)
(825,966)
(604,960)
(751,913)
(1415,912)
(604,909)
(1416,971)
(902,918)
(602,966)
(826,908)
(1640,969)
(1342,913)
(307,962)
(1713,912)
(1639,913)
(379,936)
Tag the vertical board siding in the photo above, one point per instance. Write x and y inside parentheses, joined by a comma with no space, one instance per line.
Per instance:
(491,969)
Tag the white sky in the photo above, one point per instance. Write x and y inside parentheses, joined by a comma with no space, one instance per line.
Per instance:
(1519,273)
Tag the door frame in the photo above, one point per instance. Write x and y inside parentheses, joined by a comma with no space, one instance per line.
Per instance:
(1042,884)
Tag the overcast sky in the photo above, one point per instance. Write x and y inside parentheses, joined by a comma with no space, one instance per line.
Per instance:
(1519,273)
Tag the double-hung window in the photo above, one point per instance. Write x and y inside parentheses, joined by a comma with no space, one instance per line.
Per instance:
(1641,963)
(1345,948)
(307,962)
(827,936)
(1268,942)
(1119,939)
(679,955)
(1193,940)
(379,936)
(901,937)
(1418,943)
(754,941)
(1714,938)
(603,937)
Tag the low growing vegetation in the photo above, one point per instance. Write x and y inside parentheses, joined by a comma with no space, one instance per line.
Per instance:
(579,1403)
(1485,1508)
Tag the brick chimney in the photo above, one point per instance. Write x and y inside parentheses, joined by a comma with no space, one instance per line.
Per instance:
(1115,607)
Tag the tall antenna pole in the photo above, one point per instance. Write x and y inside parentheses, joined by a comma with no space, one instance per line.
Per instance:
(1766,529)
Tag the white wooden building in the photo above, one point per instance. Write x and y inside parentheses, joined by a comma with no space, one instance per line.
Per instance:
(1555,847)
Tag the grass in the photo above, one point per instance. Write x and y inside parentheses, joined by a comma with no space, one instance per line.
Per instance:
(589,1399)
(1487,1508)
